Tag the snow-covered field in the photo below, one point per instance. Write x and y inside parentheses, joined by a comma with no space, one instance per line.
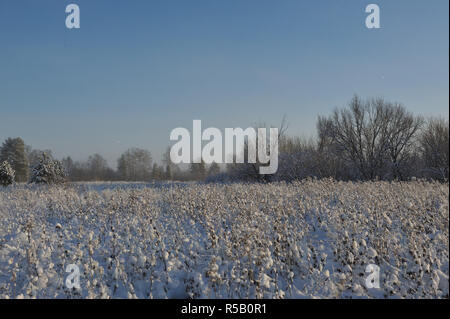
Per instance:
(300,240)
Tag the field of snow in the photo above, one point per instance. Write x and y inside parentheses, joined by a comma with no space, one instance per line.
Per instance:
(302,240)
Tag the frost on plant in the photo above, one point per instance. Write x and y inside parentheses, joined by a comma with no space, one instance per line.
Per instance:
(6,174)
(308,239)
(48,171)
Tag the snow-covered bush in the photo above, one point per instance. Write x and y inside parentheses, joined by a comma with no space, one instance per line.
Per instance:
(6,174)
(48,171)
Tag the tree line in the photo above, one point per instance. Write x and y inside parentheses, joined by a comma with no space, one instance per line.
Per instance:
(366,140)
(21,163)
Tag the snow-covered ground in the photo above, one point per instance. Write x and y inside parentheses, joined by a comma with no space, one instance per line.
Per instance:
(301,240)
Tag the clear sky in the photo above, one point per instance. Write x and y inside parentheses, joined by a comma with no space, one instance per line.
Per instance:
(139,68)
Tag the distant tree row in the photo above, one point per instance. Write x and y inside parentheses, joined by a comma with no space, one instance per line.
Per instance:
(135,164)
(21,163)
(368,139)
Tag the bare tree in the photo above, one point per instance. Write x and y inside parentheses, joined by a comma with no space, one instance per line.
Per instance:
(368,135)
(98,167)
(434,148)
(401,133)
(172,170)
(298,159)
(198,170)
(135,165)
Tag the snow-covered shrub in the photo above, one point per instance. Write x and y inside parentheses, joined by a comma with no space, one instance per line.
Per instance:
(48,171)
(6,174)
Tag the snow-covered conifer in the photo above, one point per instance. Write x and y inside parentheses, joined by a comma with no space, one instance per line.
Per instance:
(7,174)
(48,171)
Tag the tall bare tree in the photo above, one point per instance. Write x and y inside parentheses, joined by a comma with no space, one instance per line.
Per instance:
(368,135)
(135,165)
(98,167)
(434,148)
(403,128)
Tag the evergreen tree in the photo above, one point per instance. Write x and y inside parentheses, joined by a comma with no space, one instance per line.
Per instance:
(14,152)
(6,174)
(48,171)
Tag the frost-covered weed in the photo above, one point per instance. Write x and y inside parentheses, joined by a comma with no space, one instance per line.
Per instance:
(305,239)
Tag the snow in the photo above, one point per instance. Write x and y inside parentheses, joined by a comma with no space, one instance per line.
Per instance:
(309,239)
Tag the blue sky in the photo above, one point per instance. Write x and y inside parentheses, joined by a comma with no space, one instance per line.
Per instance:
(137,69)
